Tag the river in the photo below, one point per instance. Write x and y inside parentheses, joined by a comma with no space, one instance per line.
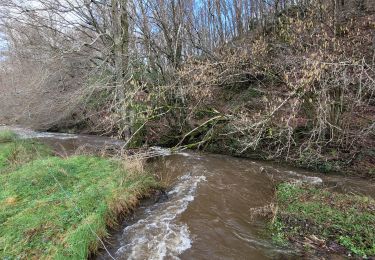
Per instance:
(207,210)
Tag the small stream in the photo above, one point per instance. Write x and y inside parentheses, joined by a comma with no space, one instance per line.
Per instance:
(206,213)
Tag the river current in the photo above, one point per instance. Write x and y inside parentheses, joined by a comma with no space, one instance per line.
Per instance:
(207,211)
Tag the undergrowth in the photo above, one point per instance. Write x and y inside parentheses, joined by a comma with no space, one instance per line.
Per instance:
(308,212)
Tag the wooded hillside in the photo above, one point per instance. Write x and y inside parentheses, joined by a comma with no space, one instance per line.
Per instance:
(289,80)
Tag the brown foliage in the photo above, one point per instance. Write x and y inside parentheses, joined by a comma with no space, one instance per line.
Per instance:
(302,92)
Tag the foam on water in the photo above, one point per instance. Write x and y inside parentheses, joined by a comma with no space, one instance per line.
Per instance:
(304,178)
(160,150)
(294,176)
(160,235)
(28,133)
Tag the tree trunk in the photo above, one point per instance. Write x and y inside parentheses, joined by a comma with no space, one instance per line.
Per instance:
(121,42)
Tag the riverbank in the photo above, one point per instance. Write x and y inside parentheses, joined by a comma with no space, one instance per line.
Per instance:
(204,185)
(61,207)
(317,219)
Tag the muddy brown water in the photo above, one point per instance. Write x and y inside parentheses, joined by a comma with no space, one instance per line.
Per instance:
(206,213)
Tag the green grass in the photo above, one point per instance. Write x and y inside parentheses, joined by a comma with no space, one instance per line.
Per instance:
(17,152)
(53,208)
(7,136)
(349,220)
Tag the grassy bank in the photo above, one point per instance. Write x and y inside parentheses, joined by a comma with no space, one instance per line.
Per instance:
(56,208)
(317,218)
(17,152)
(7,136)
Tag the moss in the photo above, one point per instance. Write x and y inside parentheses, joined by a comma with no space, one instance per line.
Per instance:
(57,208)
(304,211)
